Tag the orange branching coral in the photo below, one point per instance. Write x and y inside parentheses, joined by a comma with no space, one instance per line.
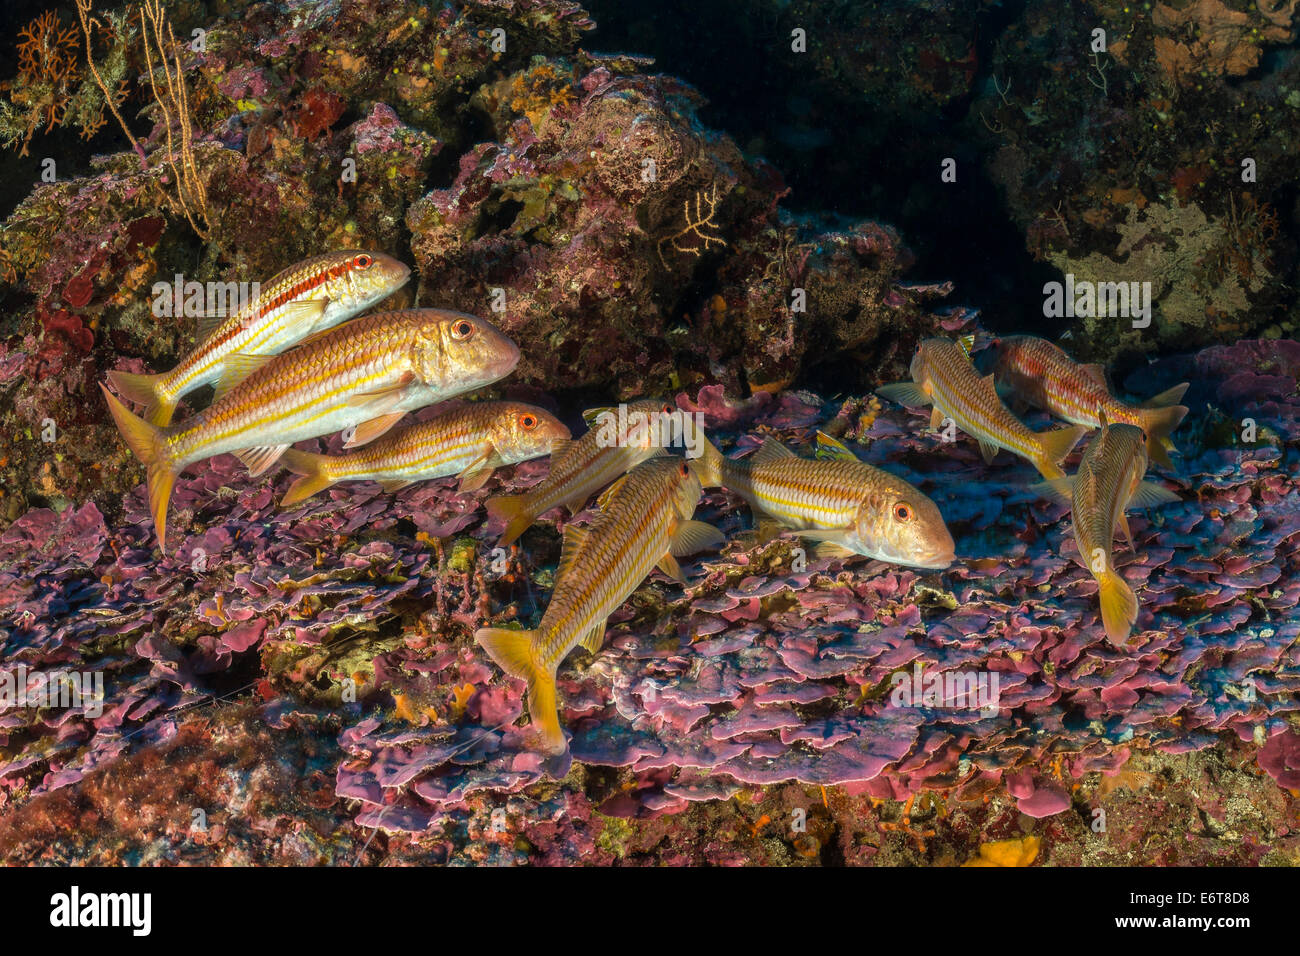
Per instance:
(1207,36)
(535,92)
(47,70)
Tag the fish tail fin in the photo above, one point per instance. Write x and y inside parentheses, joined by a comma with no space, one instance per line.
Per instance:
(1170,396)
(1054,446)
(1119,606)
(312,468)
(146,390)
(516,511)
(708,467)
(146,441)
(1159,422)
(513,653)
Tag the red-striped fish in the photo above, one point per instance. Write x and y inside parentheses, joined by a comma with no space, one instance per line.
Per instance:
(303,300)
(581,467)
(847,505)
(943,376)
(364,375)
(1109,480)
(1041,373)
(470,441)
(644,521)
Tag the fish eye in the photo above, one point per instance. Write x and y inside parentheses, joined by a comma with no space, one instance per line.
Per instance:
(528,421)
(363,261)
(683,470)
(666,410)
(462,329)
(903,511)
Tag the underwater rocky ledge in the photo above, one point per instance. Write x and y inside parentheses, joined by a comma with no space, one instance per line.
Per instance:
(577,200)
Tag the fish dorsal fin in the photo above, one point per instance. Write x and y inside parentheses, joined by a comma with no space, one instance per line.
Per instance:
(693,536)
(235,369)
(772,450)
(1097,373)
(1059,489)
(669,566)
(371,429)
(609,492)
(1102,421)
(478,471)
(595,637)
(833,448)
(1149,494)
(967,344)
(591,414)
(574,539)
(261,458)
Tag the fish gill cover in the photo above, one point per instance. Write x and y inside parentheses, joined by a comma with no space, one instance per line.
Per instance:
(317,661)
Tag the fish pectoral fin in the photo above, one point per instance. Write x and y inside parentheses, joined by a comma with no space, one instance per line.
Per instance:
(1149,494)
(574,539)
(372,428)
(478,471)
(609,492)
(772,450)
(395,484)
(833,448)
(388,396)
(988,450)
(593,639)
(235,369)
(904,393)
(261,458)
(669,566)
(1059,489)
(693,536)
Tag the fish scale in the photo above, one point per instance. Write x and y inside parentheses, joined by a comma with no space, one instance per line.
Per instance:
(303,300)
(366,373)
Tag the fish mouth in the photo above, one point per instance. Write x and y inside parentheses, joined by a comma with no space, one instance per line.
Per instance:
(935,562)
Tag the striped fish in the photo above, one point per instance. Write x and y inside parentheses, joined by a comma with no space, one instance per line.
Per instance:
(310,297)
(1108,482)
(471,441)
(579,468)
(846,504)
(364,375)
(943,376)
(644,521)
(1042,374)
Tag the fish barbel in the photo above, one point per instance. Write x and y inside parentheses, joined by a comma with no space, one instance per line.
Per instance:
(1042,373)
(471,442)
(363,375)
(581,467)
(943,376)
(847,505)
(644,521)
(1108,482)
(303,300)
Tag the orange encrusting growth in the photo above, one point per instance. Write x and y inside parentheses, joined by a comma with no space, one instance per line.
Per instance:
(1044,375)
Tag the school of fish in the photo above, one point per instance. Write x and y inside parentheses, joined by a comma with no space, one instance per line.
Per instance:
(301,362)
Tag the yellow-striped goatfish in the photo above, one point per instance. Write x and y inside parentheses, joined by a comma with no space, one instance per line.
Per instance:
(1041,373)
(363,375)
(303,300)
(581,467)
(644,521)
(471,441)
(943,376)
(1108,481)
(846,504)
